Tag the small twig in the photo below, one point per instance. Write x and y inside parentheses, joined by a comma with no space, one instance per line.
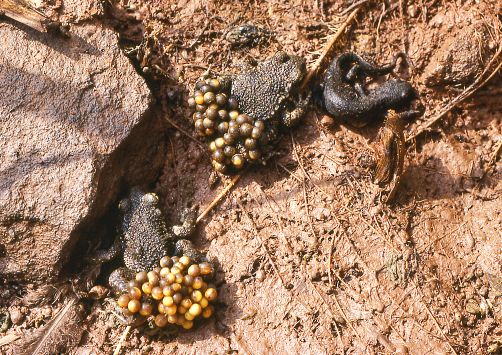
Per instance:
(476,85)
(320,62)
(348,9)
(219,197)
(121,341)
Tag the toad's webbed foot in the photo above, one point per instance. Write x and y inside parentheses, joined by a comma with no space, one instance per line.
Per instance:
(119,279)
(186,247)
(188,219)
(358,69)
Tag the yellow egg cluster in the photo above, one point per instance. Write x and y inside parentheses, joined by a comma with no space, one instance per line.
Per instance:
(177,292)
(235,136)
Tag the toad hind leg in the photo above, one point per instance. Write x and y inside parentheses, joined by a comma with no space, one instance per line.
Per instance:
(292,118)
(186,229)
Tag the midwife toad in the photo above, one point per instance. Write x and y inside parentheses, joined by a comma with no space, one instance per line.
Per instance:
(145,238)
(243,113)
(346,98)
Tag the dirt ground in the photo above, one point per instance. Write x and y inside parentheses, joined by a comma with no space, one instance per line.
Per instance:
(310,261)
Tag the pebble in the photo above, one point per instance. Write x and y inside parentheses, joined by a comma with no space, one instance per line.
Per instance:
(260,275)
(16,316)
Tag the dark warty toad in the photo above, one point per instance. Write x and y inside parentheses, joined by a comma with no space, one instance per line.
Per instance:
(242,114)
(145,238)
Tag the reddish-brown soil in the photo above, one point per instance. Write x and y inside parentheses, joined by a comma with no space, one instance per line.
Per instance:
(310,262)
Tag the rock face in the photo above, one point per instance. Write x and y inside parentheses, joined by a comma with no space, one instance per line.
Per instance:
(75,128)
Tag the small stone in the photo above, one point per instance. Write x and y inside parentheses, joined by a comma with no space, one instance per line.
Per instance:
(260,275)
(327,121)
(402,350)
(16,316)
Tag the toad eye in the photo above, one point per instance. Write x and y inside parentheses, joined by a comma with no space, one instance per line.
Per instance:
(282,57)
(150,198)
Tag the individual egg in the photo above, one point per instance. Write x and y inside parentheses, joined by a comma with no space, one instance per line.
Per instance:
(187,280)
(199,99)
(197,282)
(204,302)
(171,319)
(233,131)
(189,316)
(186,302)
(147,288)
(250,143)
(196,296)
(178,278)
(141,277)
(177,298)
(194,270)
(160,320)
(195,309)
(211,294)
(208,123)
(243,118)
(205,89)
(199,124)
(209,98)
(212,113)
(146,309)
(176,287)
(245,129)
(179,266)
(200,108)
(157,293)
(168,290)
(222,127)
(153,278)
(220,142)
(205,268)
(171,310)
(134,306)
(233,115)
(123,300)
(182,309)
(187,324)
(218,156)
(208,132)
(167,301)
(170,278)
(208,311)
(166,262)
(215,84)
(223,115)
(135,293)
(221,99)
(164,272)
(254,154)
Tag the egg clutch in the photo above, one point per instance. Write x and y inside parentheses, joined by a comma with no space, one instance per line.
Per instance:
(177,293)
(235,138)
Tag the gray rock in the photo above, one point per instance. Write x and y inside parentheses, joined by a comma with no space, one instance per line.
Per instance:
(75,128)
